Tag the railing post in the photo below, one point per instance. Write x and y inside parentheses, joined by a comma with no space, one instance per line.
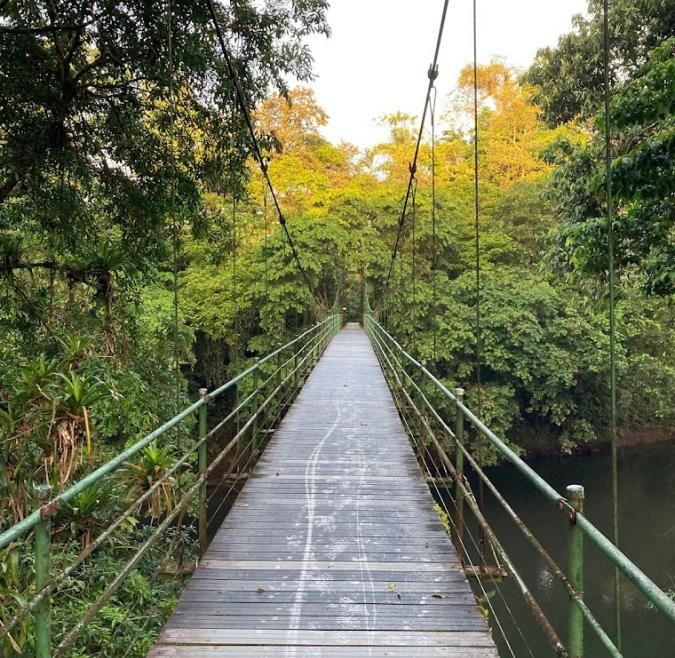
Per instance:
(575,497)
(459,466)
(42,558)
(201,465)
(254,404)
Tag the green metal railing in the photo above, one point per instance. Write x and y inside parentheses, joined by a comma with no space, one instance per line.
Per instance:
(261,393)
(412,385)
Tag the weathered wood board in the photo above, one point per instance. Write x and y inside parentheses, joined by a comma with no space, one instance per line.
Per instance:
(333,549)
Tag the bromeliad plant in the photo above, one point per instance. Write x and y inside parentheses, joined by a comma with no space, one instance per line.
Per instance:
(88,514)
(152,465)
(45,426)
(73,427)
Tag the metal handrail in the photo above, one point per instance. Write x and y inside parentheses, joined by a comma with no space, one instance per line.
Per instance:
(286,372)
(644,584)
(26,525)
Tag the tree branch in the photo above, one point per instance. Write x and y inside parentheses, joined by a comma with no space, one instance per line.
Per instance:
(9,264)
(8,186)
(52,13)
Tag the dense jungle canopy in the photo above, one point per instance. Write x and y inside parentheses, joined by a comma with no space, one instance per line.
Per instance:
(125,167)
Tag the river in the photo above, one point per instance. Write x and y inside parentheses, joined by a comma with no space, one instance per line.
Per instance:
(647,527)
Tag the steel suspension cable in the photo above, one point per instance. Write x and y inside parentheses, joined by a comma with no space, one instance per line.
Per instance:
(476,568)
(233,192)
(434,253)
(257,152)
(612,316)
(411,433)
(540,618)
(284,398)
(476,190)
(247,449)
(172,202)
(414,268)
(71,636)
(413,165)
(266,242)
(465,550)
(476,544)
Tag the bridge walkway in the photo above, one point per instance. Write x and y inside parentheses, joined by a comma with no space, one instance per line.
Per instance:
(333,549)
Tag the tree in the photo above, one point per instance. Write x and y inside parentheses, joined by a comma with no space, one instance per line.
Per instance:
(568,78)
(108,150)
(643,168)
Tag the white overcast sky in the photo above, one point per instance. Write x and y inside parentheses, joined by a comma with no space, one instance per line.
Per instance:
(377,58)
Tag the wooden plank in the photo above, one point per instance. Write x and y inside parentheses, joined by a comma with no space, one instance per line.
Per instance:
(229,636)
(333,549)
(192,651)
(325,565)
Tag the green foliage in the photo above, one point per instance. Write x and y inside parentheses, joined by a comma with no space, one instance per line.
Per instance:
(111,155)
(642,121)
(89,513)
(127,624)
(568,78)
(151,466)
(104,200)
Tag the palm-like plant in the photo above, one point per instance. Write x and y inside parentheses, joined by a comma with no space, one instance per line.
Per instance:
(152,465)
(37,376)
(73,429)
(89,512)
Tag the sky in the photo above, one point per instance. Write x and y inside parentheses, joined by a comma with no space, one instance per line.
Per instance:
(376,60)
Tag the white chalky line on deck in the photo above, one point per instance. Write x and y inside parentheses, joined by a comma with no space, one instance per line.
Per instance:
(364,557)
(310,486)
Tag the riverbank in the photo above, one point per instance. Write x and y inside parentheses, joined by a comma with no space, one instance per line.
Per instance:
(542,444)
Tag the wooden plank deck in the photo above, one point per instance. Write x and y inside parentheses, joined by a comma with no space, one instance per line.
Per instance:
(332,550)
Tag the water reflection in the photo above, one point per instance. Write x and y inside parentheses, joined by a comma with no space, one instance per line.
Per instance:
(647,525)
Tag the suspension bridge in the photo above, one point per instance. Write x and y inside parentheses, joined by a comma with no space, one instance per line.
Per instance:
(346,532)
(333,546)
(324,506)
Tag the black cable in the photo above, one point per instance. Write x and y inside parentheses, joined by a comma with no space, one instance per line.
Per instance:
(233,192)
(241,99)
(481,494)
(434,254)
(612,318)
(414,268)
(266,243)
(174,223)
(432,75)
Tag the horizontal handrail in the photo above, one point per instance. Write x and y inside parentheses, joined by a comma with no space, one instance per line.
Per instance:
(575,596)
(644,584)
(26,525)
(285,371)
(201,480)
(531,602)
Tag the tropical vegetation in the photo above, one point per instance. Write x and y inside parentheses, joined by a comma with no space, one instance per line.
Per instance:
(141,257)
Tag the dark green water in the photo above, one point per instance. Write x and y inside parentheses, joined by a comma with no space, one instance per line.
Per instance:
(647,525)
